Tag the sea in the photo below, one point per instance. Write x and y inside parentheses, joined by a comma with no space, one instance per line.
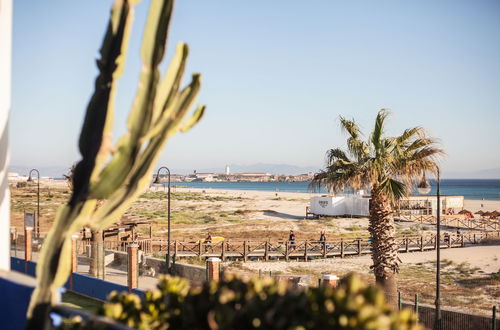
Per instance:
(475,189)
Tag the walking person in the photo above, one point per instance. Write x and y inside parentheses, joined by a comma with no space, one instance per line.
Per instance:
(208,242)
(291,239)
(322,238)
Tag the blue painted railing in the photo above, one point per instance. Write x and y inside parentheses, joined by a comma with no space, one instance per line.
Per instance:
(78,283)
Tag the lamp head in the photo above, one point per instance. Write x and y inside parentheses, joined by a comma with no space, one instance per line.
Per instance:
(30,179)
(423,186)
(157,179)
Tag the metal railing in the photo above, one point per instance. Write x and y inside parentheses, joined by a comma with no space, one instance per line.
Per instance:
(450,320)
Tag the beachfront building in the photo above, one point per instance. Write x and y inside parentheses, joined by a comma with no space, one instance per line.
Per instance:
(415,206)
(358,204)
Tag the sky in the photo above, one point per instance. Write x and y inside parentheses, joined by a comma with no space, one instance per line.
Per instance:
(276,77)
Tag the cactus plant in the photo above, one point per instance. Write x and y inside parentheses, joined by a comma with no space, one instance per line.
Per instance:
(117,175)
(234,303)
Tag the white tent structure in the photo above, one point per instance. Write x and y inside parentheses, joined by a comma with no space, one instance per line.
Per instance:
(359,205)
(338,205)
(5,73)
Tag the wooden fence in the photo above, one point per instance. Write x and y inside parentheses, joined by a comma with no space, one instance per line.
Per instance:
(304,250)
(455,222)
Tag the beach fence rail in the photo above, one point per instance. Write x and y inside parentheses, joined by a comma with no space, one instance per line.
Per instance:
(246,250)
(456,221)
(304,250)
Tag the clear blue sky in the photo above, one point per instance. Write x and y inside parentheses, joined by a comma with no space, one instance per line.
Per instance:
(277,74)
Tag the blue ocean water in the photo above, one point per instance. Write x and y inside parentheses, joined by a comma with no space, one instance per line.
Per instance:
(469,188)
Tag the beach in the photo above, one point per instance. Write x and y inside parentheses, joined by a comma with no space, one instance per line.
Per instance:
(267,215)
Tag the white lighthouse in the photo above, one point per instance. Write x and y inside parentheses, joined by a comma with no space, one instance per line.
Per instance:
(227,170)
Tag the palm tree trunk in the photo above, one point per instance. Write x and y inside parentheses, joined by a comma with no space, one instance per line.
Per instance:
(384,247)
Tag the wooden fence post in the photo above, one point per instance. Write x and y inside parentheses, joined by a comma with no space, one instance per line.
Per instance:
(342,248)
(222,252)
(199,249)
(287,250)
(494,318)
(324,249)
(359,247)
(421,243)
(475,242)
(266,250)
(244,251)
(407,244)
(305,251)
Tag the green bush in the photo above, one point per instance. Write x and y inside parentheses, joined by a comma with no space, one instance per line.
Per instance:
(234,303)
(21,184)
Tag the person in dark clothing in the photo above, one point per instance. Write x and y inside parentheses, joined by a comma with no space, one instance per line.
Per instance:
(446,238)
(322,239)
(291,239)
(208,242)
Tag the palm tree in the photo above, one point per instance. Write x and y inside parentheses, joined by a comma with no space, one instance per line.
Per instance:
(389,167)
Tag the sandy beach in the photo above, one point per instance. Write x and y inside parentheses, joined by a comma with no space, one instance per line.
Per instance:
(298,210)
(265,215)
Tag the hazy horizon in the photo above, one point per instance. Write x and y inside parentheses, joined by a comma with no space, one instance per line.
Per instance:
(286,169)
(276,77)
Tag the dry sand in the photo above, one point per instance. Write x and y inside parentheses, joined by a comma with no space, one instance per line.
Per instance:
(270,199)
(286,205)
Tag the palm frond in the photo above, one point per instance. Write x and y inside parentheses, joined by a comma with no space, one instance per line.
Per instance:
(394,189)
(393,163)
(409,134)
(333,155)
(350,127)
(378,130)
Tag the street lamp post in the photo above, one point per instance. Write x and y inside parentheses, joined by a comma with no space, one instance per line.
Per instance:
(157,180)
(37,220)
(424,188)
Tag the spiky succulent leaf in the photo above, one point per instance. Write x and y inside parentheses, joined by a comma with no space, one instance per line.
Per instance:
(126,175)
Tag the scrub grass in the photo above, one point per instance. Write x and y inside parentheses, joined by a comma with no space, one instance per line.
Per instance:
(75,300)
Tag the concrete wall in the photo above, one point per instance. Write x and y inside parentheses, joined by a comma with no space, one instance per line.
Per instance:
(190,272)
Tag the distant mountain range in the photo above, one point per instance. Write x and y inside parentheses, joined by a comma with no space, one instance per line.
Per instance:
(58,171)
(49,171)
(273,168)
(260,167)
